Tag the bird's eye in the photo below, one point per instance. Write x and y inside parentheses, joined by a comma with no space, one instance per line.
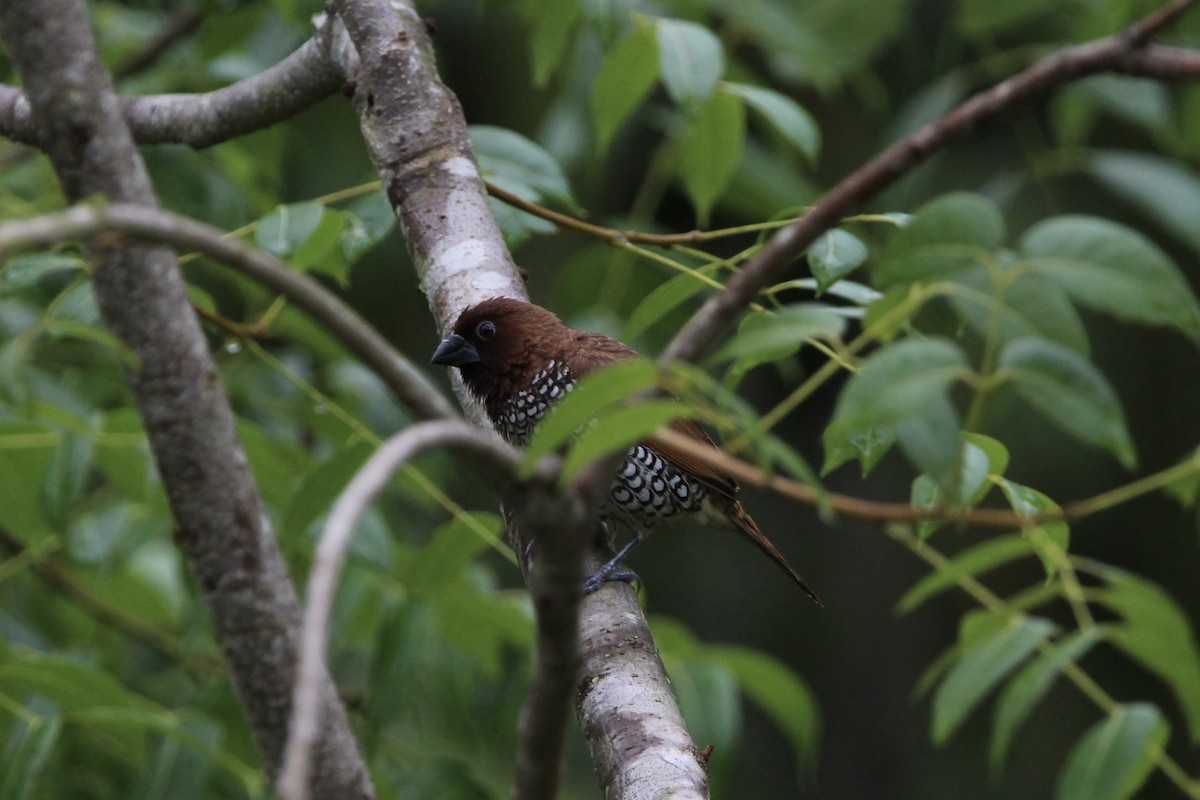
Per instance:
(485,329)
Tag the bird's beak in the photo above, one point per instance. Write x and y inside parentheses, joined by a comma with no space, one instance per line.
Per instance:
(454,351)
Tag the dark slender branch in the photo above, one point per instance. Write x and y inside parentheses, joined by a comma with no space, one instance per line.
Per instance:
(201,120)
(408,383)
(1120,52)
(304,731)
(1163,62)
(223,528)
(179,26)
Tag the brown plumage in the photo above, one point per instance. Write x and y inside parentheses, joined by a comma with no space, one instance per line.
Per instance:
(518,359)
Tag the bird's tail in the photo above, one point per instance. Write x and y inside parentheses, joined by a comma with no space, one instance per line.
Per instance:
(747,526)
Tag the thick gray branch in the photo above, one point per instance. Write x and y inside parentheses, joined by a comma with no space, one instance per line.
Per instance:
(202,120)
(417,139)
(223,529)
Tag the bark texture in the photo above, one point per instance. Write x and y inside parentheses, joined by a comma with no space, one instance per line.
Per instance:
(222,528)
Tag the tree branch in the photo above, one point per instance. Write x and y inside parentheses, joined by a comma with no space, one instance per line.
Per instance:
(304,731)
(1121,52)
(417,140)
(408,384)
(202,120)
(223,528)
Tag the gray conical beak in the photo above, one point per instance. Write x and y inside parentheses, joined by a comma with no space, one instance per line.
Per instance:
(454,351)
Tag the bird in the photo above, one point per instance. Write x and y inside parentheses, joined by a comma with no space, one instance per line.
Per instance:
(518,359)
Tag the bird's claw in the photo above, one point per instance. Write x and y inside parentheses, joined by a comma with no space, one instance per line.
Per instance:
(603,576)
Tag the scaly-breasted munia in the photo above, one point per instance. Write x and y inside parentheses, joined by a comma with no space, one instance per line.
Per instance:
(518,359)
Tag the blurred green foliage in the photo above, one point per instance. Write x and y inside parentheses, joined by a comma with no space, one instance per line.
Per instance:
(994,309)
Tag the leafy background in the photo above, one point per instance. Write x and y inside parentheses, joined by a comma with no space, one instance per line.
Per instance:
(667,117)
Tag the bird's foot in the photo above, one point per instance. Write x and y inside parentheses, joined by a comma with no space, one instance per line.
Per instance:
(603,576)
(611,570)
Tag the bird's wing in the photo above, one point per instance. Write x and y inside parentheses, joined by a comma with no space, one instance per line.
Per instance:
(713,479)
(590,351)
(594,350)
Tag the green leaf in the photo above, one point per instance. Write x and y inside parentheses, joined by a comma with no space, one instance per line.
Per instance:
(947,235)
(484,627)
(1114,269)
(974,562)
(444,559)
(1045,535)
(66,476)
(553,23)
(785,115)
(665,298)
(868,445)
(29,745)
(26,449)
(320,486)
(982,18)
(628,73)
(368,221)
(585,401)
(781,694)
(78,688)
(995,451)
(1029,686)
(1031,307)
(1115,757)
(708,699)
(969,486)
(690,60)
(1165,190)
(891,312)
(89,332)
(1186,488)
(1069,391)
(711,149)
(932,442)
(282,231)
(774,336)
(834,255)
(520,165)
(26,270)
(322,248)
(619,429)
(1156,633)
(896,385)
(984,663)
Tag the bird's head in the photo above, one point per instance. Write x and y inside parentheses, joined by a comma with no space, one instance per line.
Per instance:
(498,341)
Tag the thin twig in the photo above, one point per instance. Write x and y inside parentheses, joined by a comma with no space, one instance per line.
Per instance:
(882,512)
(304,729)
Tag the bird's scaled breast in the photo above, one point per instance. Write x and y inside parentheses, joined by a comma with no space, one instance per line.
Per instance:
(520,414)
